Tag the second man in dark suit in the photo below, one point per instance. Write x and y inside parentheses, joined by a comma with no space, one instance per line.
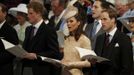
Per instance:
(116,47)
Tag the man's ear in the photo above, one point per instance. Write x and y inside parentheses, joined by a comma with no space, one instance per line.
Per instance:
(113,20)
(78,23)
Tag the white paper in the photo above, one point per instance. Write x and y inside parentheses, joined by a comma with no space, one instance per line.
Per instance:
(14,49)
(46,59)
(90,54)
(52,61)
(7,44)
(84,52)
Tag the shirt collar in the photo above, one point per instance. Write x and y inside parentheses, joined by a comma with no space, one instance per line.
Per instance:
(98,21)
(111,33)
(1,24)
(37,25)
(60,16)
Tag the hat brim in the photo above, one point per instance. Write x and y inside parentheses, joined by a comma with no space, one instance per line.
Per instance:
(125,17)
(17,10)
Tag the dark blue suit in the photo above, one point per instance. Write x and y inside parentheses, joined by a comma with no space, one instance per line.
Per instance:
(120,55)
(44,43)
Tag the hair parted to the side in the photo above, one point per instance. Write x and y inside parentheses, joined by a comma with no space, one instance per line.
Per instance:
(105,4)
(112,13)
(37,7)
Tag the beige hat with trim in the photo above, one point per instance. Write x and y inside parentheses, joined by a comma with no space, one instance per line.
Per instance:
(70,12)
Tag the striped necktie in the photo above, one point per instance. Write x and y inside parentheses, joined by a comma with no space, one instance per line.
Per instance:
(96,23)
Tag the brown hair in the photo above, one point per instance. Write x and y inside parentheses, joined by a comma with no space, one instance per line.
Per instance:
(3,8)
(112,13)
(37,7)
(105,4)
(79,30)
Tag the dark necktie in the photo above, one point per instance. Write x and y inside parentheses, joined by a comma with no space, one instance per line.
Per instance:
(107,40)
(32,32)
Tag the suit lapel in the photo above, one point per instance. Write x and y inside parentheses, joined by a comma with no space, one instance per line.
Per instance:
(58,25)
(112,43)
(100,32)
(2,29)
(101,44)
(88,30)
(38,34)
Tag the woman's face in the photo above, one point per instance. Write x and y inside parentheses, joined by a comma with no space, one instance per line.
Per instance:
(20,17)
(72,24)
(131,24)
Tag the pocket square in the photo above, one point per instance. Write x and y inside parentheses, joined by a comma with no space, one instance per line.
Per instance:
(116,45)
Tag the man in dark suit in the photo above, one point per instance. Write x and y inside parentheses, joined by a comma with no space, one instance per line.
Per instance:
(94,29)
(9,34)
(42,42)
(116,47)
(58,9)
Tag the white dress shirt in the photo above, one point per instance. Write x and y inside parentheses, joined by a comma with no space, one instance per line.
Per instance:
(111,33)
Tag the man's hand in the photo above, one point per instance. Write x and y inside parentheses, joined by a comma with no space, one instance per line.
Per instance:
(30,56)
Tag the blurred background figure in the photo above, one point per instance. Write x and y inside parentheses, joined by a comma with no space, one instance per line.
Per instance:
(21,15)
(130,5)
(56,17)
(87,7)
(10,3)
(122,8)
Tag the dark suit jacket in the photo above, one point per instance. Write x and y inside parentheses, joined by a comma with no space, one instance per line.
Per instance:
(88,33)
(44,43)
(56,26)
(120,55)
(6,59)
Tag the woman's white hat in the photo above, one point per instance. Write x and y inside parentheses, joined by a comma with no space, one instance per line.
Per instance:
(20,8)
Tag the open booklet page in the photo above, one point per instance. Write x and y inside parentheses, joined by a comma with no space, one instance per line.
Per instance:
(89,54)
(51,60)
(83,52)
(14,49)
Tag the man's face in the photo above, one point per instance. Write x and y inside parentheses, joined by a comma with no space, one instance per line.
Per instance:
(55,7)
(107,22)
(32,16)
(2,15)
(121,9)
(97,9)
